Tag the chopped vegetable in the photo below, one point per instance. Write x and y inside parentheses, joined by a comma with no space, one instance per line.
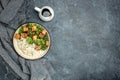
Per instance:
(34,37)
(29,40)
(43,47)
(39,29)
(20,30)
(44,31)
(25,29)
(17,36)
(38,48)
(34,28)
(46,38)
(41,35)
(39,41)
(31,33)
(24,35)
(47,43)
(30,25)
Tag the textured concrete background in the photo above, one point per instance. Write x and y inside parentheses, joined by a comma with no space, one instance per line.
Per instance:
(85,38)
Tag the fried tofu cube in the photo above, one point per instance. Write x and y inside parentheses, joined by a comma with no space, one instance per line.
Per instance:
(34,28)
(17,36)
(24,35)
(41,35)
(44,31)
(47,43)
(25,29)
(37,48)
(34,37)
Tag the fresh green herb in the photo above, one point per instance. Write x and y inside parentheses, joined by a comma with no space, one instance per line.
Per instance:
(39,29)
(39,42)
(46,38)
(29,40)
(31,33)
(43,47)
(20,30)
(30,25)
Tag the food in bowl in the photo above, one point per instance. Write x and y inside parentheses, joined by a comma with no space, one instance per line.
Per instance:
(31,40)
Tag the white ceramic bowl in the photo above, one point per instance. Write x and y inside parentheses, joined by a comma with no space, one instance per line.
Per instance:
(36,55)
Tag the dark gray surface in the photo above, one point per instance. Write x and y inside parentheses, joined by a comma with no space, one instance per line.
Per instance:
(85,38)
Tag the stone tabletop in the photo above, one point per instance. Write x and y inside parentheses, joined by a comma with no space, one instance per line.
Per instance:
(85,38)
